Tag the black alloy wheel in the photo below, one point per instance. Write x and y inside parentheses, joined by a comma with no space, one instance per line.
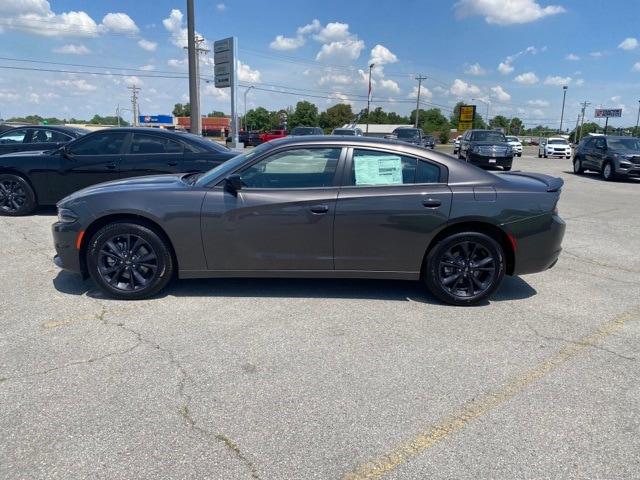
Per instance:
(16,196)
(465,268)
(129,261)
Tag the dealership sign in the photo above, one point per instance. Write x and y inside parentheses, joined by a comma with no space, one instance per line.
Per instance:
(465,119)
(608,112)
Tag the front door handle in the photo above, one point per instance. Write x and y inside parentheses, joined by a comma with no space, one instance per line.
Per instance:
(431,203)
(111,166)
(172,164)
(319,209)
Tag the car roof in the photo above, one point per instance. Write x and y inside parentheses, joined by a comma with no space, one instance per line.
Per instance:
(62,128)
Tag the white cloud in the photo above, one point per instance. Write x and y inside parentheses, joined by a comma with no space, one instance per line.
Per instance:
(381,55)
(460,88)
(147,45)
(341,97)
(596,54)
(287,43)
(506,12)
(72,49)
(36,17)
(335,78)
(499,94)
(536,112)
(79,85)
(505,68)
(120,23)
(557,80)
(176,63)
(573,57)
(133,80)
(312,27)
(216,93)
(636,67)
(333,32)
(340,52)
(616,99)
(629,43)
(528,78)
(475,69)
(147,68)
(9,96)
(173,24)
(392,86)
(579,82)
(425,93)
(221,7)
(538,103)
(246,74)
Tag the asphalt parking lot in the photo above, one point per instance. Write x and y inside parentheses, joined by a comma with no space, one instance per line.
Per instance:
(303,379)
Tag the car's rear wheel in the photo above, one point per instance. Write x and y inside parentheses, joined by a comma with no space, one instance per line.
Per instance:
(608,172)
(464,268)
(129,261)
(577,166)
(16,196)
(506,168)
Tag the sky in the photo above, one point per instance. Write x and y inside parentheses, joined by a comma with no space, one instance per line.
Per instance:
(73,58)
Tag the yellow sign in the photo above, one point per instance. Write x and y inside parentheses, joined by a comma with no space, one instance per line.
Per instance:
(463,126)
(467,112)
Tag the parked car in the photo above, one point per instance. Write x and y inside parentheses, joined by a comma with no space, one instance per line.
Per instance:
(430,141)
(29,179)
(356,132)
(22,139)
(272,135)
(516,145)
(298,131)
(321,207)
(411,135)
(554,147)
(487,148)
(613,157)
(456,144)
(250,138)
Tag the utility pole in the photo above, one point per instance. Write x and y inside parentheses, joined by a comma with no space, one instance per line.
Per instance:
(420,78)
(245,106)
(635,131)
(575,132)
(134,103)
(369,97)
(585,104)
(198,41)
(194,100)
(564,96)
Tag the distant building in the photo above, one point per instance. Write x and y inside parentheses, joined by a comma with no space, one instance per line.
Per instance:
(375,129)
(211,126)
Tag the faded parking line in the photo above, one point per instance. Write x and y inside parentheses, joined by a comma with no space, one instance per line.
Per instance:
(424,441)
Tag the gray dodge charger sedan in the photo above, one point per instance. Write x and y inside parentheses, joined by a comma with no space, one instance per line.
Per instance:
(322,207)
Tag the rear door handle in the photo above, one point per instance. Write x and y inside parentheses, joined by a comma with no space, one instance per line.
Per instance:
(111,166)
(172,164)
(431,203)
(319,209)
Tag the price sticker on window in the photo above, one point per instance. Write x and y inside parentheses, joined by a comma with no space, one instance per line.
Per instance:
(378,170)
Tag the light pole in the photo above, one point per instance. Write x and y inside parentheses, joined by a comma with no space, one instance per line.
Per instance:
(564,96)
(487,103)
(635,132)
(369,96)
(245,106)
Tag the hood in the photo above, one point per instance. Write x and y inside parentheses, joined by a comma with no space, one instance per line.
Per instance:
(489,143)
(152,182)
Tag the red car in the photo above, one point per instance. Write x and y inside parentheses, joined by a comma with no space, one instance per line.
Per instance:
(272,135)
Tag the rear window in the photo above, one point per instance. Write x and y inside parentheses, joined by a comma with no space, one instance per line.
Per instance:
(406,133)
(343,131)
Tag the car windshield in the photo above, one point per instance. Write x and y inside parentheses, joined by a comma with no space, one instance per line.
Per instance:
(406,133)
(231,164)
(343,131)
(488,137)
(303,131)
(512,139)
(558,141)
(624,143)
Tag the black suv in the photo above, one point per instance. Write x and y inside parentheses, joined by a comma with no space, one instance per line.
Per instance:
(430,141)
(613,157)
(297,131)
(411,135)
(487,148)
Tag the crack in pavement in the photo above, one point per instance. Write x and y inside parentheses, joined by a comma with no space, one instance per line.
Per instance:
(601,264)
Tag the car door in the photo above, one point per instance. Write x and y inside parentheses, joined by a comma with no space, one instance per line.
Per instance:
(46,139)
(150,154)
(94,158)
(388,210)
(13,140)
(282,217)
(597,153)
(464,143)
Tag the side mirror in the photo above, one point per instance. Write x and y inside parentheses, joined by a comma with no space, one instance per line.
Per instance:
(233,183)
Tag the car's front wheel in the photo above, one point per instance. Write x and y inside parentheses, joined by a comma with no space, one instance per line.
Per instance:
(608,172)
(577,166)
(129,261)
(16,196)
(464,268)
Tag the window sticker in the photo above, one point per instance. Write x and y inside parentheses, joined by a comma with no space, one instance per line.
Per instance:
(378,170)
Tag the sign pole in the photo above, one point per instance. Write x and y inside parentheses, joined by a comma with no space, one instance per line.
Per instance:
(234,96)
(606,122)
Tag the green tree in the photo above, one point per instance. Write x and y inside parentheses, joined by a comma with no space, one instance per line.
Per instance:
(216,113)
(305,114)
(258,119)
(516,126)
(336,116)
(499,121)
(181,110)
(395,119)
(431,120)
(444,137)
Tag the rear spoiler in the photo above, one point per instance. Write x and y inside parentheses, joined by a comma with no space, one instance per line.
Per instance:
(553,183)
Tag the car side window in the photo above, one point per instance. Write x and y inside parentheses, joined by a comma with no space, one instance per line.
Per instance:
(377,168)
(295,168)
(146,144)
(48,136)
(15,136)
(102,143)
(599,143)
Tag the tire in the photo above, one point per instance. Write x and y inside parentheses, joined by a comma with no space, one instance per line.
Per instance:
(577,166)
(506,168)
(118,271)
(16,196)
(608,172)
(539,156)
(546,156)
(451,261)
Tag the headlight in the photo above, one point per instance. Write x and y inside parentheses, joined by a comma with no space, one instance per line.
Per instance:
(66,216)
(475,149)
